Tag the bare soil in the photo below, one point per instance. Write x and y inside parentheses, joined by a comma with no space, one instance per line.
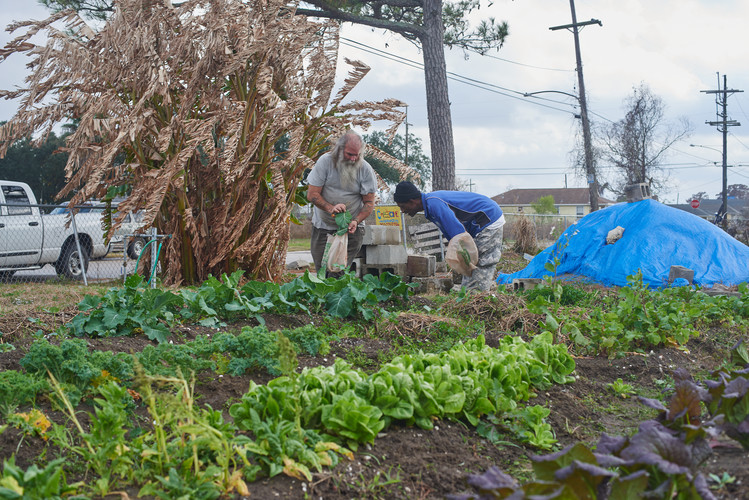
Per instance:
(407,462)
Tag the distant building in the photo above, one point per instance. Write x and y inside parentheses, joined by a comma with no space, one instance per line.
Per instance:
(568,201)
(737,209)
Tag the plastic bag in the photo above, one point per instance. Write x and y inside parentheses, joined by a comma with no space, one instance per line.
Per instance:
(337,253)
(462,254)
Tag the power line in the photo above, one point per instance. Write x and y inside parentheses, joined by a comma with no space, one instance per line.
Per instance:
(737,139)
(513,94)
(541,170)
(470,81)
(738,101)
(489,87)
(522,64)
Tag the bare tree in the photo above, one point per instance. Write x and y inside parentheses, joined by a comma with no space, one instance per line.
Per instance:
(194,98)
(702,195)
(739,191)
(579,164)
(432,25)
(637,145)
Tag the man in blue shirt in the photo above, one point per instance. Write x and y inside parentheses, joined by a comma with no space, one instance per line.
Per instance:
(456,212)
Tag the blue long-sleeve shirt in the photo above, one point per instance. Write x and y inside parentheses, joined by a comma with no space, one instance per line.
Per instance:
(455,212)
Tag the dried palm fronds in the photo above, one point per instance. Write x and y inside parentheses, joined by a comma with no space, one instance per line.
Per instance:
(184,107)
(525,236)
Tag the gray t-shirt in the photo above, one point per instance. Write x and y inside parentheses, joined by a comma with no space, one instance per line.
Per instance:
(325,174)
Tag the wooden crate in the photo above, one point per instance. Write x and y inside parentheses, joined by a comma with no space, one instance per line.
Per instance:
(426,240)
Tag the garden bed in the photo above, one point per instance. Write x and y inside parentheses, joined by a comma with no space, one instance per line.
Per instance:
(403,461)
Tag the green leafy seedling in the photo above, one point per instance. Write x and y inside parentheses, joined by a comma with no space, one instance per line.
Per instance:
(621,388)
(721,481)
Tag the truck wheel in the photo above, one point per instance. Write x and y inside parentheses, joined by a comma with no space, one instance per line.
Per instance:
(135,247)
(6,276)
(69,264)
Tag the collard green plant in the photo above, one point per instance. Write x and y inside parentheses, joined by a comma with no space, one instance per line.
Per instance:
(342,220)
(127,310)
(132,309)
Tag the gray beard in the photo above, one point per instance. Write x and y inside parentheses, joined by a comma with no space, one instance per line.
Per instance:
(347,172)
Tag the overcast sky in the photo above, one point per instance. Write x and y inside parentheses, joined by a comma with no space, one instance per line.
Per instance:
(504,140)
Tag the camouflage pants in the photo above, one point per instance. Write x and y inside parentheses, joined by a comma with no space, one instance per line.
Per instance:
(489,245)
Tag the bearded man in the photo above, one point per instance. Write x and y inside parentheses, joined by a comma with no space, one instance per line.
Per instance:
(340,181)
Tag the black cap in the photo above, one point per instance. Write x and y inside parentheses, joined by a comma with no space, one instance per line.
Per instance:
(405,191)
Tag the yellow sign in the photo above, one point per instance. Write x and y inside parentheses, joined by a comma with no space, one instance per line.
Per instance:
(388,215)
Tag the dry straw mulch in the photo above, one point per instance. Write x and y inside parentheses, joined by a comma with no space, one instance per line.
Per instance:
(502,312)
(415,326)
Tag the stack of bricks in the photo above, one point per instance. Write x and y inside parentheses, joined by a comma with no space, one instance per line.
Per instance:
(383,250)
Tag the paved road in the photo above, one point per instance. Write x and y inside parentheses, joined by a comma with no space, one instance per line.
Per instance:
(304,255)
(105,269)
(111,268)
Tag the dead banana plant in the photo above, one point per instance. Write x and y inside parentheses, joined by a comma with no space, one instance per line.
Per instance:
(205,114)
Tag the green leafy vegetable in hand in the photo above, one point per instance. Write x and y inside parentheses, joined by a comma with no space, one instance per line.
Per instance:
(466,256)
(342,220)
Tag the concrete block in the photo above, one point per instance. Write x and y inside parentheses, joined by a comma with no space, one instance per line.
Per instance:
(720,289)
(677,272)
(432,285)
(298,264)
(381,235)
(421,265)
(637,192)
(356,266)
(377,269)
(525,283)
(386,254)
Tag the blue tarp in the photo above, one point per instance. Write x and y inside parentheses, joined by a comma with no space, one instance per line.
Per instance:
(655,238)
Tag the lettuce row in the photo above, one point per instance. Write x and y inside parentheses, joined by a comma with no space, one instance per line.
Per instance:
(469,381)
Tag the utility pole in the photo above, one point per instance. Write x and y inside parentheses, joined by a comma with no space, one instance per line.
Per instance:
(589,167)
(722,125)
(406,157)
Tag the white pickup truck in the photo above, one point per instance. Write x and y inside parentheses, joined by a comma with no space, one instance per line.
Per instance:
(30,239)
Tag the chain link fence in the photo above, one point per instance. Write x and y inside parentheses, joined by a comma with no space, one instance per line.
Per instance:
(41,243)
(548,227)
